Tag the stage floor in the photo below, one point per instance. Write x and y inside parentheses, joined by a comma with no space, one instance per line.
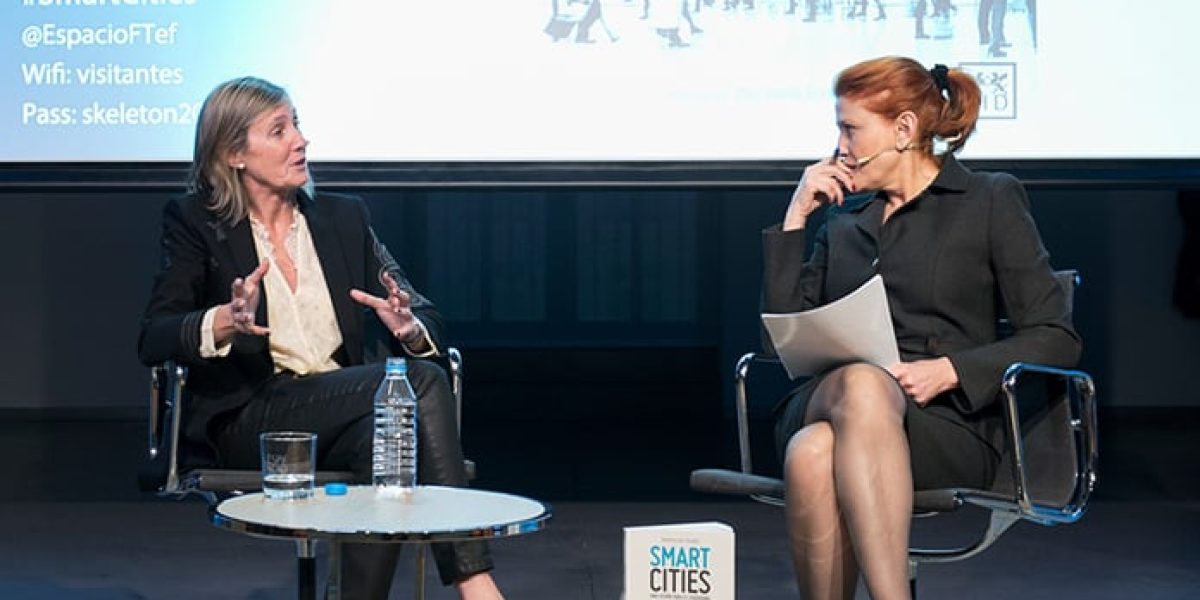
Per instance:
(166,549)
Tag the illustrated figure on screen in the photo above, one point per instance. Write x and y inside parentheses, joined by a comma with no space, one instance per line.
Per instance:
(810,9)
(1031,16)
(269,293)
(943,8)
(955,249)
(859,9)
(942,24)
(593,15)
(919,7)
(991,26)
(667,18)
(561,23)
(666,23)
(578,16)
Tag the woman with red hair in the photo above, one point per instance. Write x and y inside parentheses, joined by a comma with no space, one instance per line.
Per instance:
(956,250)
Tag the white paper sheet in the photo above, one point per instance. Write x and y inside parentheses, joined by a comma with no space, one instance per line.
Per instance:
(854,328)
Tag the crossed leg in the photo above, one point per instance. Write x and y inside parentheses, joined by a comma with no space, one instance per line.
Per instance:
(849,487)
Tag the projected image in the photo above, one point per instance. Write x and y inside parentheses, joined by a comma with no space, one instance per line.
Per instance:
(676,21)
(582,80)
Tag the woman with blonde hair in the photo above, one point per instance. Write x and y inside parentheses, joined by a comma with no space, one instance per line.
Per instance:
(267,291)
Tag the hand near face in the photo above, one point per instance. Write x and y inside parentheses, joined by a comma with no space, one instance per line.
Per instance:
(395,311)
(825,182)
(925,379)
(245,293)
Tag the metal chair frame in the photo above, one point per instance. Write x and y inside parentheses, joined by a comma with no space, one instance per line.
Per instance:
(1006,506)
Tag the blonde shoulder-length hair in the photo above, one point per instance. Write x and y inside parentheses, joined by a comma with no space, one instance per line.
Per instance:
(221,129)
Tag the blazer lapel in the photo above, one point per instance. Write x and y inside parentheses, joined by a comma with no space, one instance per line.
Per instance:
(868,217)
(241,245)
(239,239)
(332,255)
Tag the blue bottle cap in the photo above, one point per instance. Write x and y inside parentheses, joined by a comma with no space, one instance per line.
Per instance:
(396,364)
(335,489)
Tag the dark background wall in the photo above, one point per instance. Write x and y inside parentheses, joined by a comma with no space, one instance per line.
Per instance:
(598,323)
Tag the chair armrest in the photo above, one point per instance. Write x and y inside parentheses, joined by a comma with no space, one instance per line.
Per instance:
(741,374)
(154,416)
(455,360)
(167,382)
(1082,429)
(733,483)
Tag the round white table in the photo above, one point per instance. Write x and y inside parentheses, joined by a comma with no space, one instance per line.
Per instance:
(363,514)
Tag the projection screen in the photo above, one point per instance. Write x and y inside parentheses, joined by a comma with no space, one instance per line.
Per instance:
(580,80)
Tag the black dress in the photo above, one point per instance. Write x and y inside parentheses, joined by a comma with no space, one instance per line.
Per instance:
(955,259)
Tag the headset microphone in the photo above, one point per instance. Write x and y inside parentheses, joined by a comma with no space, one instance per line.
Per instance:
(862,162)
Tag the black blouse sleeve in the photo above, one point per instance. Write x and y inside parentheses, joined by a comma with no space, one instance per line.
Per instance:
(790,283)
(1037,306)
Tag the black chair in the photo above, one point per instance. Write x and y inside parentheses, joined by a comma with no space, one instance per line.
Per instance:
(165,476)
(1046,475)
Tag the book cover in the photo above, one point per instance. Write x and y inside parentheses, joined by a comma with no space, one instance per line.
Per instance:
(688,561)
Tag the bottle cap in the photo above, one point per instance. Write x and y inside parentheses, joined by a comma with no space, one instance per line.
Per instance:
(396,364)
(335,489)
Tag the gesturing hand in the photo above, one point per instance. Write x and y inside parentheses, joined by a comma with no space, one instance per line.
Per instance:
(824,182)
(395,311)
(245,293)
(925,379)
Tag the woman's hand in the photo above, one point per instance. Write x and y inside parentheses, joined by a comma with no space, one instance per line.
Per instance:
(395,311)
(245,292)
(825,182)
(925,379)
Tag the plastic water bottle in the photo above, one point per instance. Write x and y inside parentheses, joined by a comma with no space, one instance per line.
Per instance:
(394,452)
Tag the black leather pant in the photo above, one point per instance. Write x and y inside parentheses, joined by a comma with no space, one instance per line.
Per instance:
(338,407)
